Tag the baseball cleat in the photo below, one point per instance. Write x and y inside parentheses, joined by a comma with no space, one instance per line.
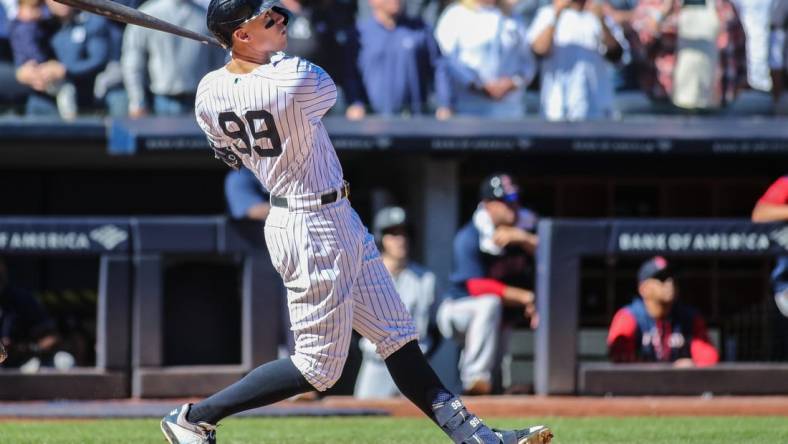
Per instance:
(177,430)
(531,435)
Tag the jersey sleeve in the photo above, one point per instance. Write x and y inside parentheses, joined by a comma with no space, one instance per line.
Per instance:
(317,92)
(777,194)
(701,349)
(621,337)
(208,123)
(484,286)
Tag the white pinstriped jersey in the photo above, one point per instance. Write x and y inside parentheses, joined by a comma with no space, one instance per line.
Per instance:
(269,120)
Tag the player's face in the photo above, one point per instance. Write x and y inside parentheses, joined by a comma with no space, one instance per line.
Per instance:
(395,243)
(501,213)
(661,292)
(667,291)
(267,32)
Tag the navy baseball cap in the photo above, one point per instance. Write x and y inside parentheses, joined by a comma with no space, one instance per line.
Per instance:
(655,268)
(499,186)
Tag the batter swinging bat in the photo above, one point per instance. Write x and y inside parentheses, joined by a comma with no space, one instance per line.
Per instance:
(121,13)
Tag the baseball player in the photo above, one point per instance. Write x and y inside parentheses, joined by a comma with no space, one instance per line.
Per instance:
(263,111)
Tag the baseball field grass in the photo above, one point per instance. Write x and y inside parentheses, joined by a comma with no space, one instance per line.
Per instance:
(597,430)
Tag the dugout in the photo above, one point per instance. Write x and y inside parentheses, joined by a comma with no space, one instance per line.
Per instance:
(563,244)
(666,167)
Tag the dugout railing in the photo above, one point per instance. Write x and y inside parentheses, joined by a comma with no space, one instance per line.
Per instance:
(562,245)
(130,322)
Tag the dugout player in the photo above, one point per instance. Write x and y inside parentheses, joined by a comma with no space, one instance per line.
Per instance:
(263,111)
(493,264)
(656,328)
(416,287)
(773,207)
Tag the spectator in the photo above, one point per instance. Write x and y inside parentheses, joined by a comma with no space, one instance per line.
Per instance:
(245,196)
(58,58)
(30,32)
(399,60)
(108,88)
(81,46)
(26,330)
(173,65)
(13,93)
(416,287)
(488,59)
(754,15)
(692,52)
(773,207)
(656,328)
(320,31)
(576,40)
(427,10)
(493,268)
(778,51)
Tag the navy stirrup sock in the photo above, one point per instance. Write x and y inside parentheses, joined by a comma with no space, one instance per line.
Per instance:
(419,383)
(267,384)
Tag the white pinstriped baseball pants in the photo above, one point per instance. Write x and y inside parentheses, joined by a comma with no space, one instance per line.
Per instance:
(335,282)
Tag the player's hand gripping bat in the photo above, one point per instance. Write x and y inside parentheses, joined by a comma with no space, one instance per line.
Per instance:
(121,13)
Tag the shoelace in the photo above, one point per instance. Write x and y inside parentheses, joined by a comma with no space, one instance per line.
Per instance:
(208,429)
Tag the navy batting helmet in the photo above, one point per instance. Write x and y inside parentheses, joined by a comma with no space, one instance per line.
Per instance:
(225,16)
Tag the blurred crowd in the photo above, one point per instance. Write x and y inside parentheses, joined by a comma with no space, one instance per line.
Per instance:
(560,59)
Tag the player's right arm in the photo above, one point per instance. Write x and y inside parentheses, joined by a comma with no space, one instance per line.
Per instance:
(621,345)
(208,121)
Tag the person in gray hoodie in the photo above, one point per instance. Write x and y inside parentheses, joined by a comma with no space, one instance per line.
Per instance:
(170,66)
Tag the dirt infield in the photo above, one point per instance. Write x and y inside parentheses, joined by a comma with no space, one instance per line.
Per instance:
(492,406)
(489,407)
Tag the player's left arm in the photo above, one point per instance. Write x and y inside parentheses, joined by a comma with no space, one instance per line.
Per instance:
(701,349)
(316,91)
(521,234)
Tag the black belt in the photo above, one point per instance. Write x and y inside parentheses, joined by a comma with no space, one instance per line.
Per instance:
(327,198)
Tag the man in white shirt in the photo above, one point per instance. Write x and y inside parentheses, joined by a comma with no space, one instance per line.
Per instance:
(576,42)
(755,19)
(488,58)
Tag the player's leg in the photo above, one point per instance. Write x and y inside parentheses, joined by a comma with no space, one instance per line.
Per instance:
(475,322)
(318,275)
(381,317)
(267,384)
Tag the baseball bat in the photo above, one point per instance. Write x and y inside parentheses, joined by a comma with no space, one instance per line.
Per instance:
(121,13)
